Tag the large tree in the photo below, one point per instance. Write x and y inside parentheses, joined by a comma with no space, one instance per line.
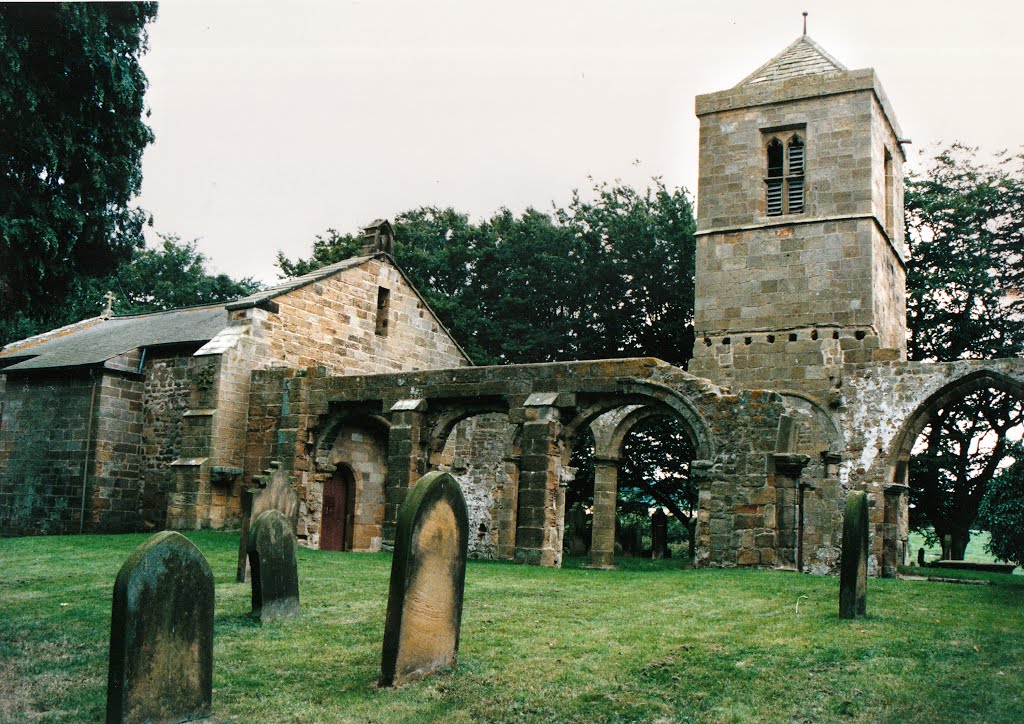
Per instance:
(608,277)
(1002,510)
(965,222)
(71,140)
(171,276)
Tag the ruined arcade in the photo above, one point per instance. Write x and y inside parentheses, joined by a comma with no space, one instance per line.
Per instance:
(798,393)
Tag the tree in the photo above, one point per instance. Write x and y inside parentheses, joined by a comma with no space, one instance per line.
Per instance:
(1002,510)
(965,222)
(964,445)
(71,142)
(153,280)
(965,278)
(612,277)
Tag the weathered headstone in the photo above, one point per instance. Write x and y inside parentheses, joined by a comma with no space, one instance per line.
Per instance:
(275,491)
(920,557)
(161,634)
(428,573)
(631,536)
(577,525)
(275,575)
(853,571)
(659,534)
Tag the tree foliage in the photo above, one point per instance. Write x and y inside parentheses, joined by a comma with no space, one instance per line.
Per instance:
(964,444)
(71,141)
(171,276)
(1002,510)
(965,278)
(965,222)
(608,277)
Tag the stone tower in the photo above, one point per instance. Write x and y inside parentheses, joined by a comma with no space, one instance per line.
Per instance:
(800,242)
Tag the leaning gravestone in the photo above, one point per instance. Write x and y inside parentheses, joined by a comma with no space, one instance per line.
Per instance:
(659,535)
(275,491)
(161,634)
(853,571)
(275,576)
(428,573)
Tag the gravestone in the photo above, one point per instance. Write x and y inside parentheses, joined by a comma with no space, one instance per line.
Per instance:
(853,571)
(428,573)
(920,557)
(161,634)
(659,535)
(275,575)
(631,537)
(577,525)
(274,491)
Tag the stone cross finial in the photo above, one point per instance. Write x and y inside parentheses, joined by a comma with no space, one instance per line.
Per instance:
(108,311)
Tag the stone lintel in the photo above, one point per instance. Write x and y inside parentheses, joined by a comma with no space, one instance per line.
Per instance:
(188,462)
(208,412)
(897,489)
(791,464)
(410,405)
(541,399)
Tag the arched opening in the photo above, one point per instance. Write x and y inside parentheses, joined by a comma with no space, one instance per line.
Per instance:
(350,477)
(631,462)
(477,448)
(948,452)
(337,514)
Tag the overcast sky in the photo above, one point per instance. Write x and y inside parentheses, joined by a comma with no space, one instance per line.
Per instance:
(275,121)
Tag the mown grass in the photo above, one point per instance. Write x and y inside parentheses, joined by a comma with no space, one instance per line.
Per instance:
(648,642)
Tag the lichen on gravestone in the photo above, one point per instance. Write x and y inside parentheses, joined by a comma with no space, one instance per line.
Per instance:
(161,634)
(428,573)
(853,568)
(275,577)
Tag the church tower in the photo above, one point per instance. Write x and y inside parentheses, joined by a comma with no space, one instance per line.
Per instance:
(801,261)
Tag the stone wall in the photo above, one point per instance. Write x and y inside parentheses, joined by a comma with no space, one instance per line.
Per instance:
(60,432)
(475,454)
(44,436)
(165,398)
(335,324)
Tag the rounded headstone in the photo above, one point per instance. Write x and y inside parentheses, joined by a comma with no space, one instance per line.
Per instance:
(275,577)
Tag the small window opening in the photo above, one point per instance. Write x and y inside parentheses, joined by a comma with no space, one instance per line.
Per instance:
(771,339)
(792,337)
(835,334)
(747,340)
(860,334)
(726,340)
(707,342)
(383,310)
(889,190)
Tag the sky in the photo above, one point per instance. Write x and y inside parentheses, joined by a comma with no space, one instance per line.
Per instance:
(276,121)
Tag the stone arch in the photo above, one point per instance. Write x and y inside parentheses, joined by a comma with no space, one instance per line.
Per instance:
(611,419)
(446,420)
(355,441)
(472,443)
(973,381)
(892,524)
(649,394)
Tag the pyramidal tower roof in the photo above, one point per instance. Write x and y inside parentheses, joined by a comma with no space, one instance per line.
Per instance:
(802,57)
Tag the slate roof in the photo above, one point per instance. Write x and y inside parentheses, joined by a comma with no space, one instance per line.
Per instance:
(288,285)
(802,57)
(100,339)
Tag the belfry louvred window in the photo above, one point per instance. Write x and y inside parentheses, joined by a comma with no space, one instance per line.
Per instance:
(784,183)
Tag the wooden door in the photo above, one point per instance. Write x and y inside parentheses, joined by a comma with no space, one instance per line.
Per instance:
(337,515)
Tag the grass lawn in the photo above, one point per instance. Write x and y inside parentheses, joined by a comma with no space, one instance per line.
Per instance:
(647,642)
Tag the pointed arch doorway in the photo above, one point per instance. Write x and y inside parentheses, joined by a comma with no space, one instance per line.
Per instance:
(338,512)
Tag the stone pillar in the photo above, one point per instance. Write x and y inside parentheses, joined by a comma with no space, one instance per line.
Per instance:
(407,459)
(540,517)
(606,490)
(894,529)
(786,469)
